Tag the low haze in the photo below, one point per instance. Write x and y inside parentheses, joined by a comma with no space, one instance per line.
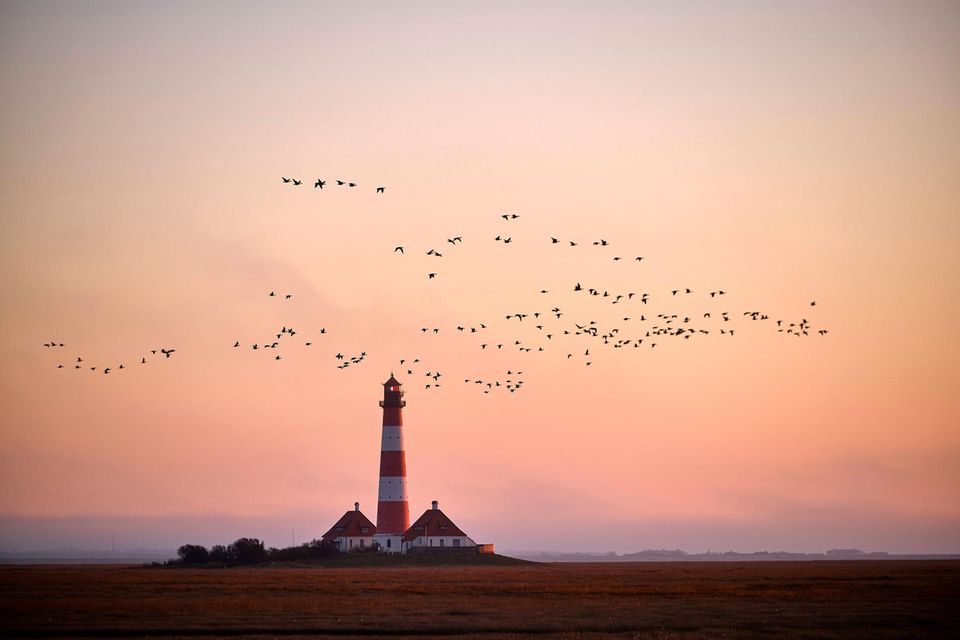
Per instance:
(783,153)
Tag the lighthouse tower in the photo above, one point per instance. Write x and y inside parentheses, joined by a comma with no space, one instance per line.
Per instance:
(393,510)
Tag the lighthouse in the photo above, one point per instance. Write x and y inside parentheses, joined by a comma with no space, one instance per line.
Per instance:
(393,510)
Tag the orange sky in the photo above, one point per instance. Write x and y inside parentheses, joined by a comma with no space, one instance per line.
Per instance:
(783,153)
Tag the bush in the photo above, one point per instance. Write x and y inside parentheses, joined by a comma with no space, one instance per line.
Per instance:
(306,551)
(193,554)
(247,551)
(218,553)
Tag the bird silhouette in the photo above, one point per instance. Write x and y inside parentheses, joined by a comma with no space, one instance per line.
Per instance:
(380,189)
(319,184)
(351,184)
(285,179)
(297,182)
(341,182)
(431,276)
(398,248)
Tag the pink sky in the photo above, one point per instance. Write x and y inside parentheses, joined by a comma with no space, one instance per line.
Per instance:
(783,153)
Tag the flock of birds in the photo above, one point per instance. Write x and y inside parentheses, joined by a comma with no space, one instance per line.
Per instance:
(80,364)
(550,327)
(320,184)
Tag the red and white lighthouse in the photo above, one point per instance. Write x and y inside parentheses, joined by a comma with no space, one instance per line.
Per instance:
(393,510)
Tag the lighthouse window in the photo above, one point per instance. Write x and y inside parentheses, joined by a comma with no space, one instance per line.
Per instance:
(388,543)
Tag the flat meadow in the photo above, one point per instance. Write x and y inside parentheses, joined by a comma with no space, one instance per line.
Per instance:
(831,599)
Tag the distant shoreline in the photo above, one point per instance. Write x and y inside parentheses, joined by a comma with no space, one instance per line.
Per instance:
(727,556)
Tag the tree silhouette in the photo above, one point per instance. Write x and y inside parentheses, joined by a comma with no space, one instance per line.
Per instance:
(193,554)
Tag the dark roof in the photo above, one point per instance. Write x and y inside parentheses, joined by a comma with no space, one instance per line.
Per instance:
(433,522)
(350,525)
(392,382)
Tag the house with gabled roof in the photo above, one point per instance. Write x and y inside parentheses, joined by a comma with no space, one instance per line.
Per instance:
(352,532)
(434,531)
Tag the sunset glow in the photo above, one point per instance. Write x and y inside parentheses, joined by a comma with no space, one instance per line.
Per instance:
(784,153)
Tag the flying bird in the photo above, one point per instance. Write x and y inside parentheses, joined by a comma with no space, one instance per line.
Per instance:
(297,182)
(285,179)
(400,249)
(431,276)
(319,183)
(380,189)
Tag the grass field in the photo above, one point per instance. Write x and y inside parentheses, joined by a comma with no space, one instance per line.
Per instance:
(855,599)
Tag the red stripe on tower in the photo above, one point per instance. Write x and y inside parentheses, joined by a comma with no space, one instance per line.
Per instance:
(393,509)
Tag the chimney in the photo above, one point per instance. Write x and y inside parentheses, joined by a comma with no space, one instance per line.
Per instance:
(436,505)
(356,506)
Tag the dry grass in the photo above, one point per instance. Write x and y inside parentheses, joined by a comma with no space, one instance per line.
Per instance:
(861,599)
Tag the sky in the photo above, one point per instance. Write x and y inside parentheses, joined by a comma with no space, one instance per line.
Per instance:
(784,153)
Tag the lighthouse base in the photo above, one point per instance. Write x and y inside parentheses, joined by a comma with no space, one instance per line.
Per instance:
(389,543)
